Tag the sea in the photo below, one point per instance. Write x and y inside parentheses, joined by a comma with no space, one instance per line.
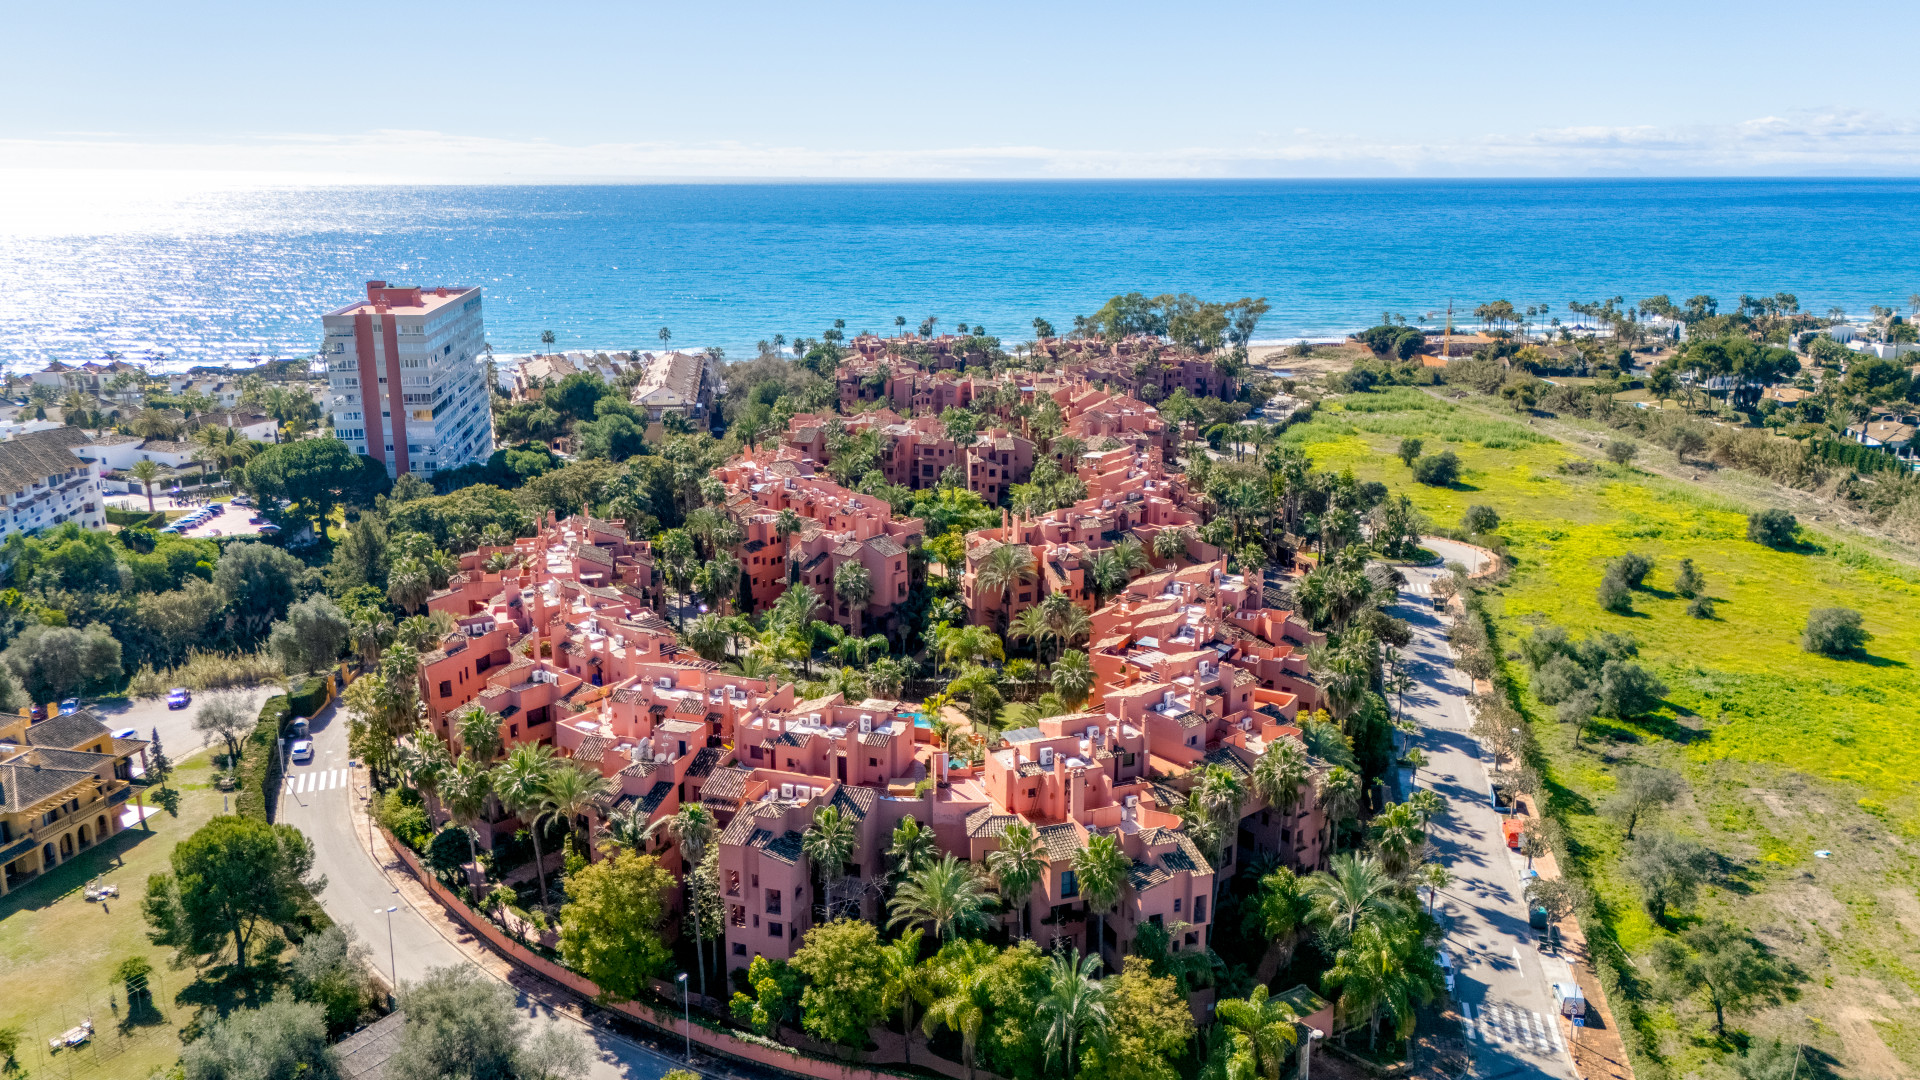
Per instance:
(229,275)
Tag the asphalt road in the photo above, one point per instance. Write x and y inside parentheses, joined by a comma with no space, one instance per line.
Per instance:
(1501,982)
(317,798)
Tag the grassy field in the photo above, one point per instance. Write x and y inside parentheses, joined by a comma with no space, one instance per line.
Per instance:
(58,952)
(1786,752)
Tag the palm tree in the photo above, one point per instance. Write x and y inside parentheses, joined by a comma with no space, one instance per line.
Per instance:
(1356,886)
(1400,839)
(571,792)
(1072,677)
(1074,1006)
(370,636)
(1339,796)
(666,335)
(463,791)
(913,847)
(1385,967)
(1280,774)
(1108,574)
(1171,544)
(625,828)
(479,734)
(886,676)
(947,895)
(1069,620)
(693,828)
(1261,1027)
(146,471)
(1004,569)
(1282,911)
(409,583)
(1102,870)
(905,980)
(1218,794)
(754,665)
(521,783)
(1018,864)
(854,586)
(970,644)
(960,995)
(1031,625)
(829,842)
(1433,877)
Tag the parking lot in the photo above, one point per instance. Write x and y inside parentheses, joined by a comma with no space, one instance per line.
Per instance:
(232,519)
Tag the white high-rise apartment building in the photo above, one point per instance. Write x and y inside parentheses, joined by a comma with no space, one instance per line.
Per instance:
(422,349)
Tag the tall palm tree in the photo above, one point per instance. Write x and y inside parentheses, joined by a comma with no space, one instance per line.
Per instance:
(625,829)
(693,828)
(1072,677)
(1004,569)
(571,792)
(829,842)
(479,734)
(1400,839)
(1355,887)
(1018,864)
(1031,625)
(1384,967)
(370,636)
(969,644)
(1171,544)
(146,471)
(1280,774)
(905,980)
(463,791)
(1071,625)
(1433,877)
(521,783)
(409,583)
(960,994)
(854,586)
(947,895)
(1102,869)
(1339,796)
(1261,1027)
(1074,1006)
(912,848)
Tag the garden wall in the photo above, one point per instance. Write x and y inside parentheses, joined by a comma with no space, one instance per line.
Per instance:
(890,1047)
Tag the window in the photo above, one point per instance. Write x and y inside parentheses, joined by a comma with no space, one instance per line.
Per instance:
(1069,884)
(739,949)
(873,763)
(1176,905)
(446,688)
(773,901)
(1199,909)
(774,929)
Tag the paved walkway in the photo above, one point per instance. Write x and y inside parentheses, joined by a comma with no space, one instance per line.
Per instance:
(1500,989)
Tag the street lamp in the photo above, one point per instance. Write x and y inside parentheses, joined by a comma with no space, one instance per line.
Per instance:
(686,1013)
(392,968)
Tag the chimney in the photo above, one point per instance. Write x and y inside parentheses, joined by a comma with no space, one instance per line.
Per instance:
(373,289)
(1077,794)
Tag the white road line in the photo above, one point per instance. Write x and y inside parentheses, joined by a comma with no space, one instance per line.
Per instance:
(1539,1032)
(339,779)
(1472,1032)
(306,782)
(1490,1023)
(1553,1028)
(332,780)
(289,787)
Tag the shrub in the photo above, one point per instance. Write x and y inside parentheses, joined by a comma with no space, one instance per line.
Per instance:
(1701,607)
(1409,450)
(1834,632)
(1621,451)
(1630,568)
(1577,467)
(402,814)
(310,698)
(1480,519)
(1689,581)
(1614,595)
(259,770)
(1773,527)
(1438,470)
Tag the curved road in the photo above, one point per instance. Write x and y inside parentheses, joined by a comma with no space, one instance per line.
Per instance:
(318,799)
(1501,983)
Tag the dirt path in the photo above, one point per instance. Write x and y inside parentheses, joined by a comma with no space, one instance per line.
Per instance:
(1815,513)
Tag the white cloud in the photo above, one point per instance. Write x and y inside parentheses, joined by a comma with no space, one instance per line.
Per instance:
(1827,141)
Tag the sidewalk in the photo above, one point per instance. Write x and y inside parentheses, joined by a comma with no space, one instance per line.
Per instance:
(540,995)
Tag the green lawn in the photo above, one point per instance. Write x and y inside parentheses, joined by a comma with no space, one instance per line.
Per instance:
(1786,752)
(57,951)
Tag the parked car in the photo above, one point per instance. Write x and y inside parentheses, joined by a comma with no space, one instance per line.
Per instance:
(127,733)
(1572,1003)
(179,698)
(299,729)
(1445,960)
(269,529)
(242,500)
(217,508)
(256,520)
(71,705)
(302,751)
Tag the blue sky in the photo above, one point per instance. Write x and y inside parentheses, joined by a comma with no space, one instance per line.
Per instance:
(486,91)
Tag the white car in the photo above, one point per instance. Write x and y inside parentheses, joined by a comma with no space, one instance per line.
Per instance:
(1445,960)
(303,751)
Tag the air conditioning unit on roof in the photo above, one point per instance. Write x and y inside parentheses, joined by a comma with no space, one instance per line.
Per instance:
(786,791)
(1046,757)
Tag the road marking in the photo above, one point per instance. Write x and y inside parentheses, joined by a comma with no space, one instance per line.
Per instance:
(335,778)
(1472,1033)
(289,789)
(1539,1032)
(1553,1028)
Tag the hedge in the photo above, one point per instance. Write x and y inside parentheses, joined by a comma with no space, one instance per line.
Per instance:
(259,771)
(310,698)
(136,519)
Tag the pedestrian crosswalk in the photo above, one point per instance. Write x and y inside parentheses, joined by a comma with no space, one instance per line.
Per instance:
(1505,1025)
(315,780)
